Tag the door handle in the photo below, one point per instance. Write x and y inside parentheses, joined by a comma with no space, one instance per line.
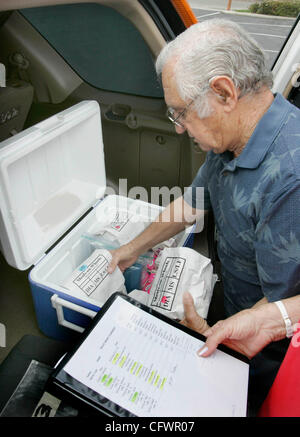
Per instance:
(117,112)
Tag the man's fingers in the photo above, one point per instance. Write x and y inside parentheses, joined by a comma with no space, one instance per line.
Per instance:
(111,267)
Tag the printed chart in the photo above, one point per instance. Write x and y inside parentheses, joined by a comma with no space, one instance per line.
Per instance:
(140,362)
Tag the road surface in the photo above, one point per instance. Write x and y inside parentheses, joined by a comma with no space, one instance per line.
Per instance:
(270,32)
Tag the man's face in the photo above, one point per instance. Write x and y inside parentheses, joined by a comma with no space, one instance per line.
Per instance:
(210,133)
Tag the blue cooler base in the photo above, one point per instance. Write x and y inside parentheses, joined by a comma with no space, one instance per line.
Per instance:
(47,317)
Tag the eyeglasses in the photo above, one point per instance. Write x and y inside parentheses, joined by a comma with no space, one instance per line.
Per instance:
(171,114)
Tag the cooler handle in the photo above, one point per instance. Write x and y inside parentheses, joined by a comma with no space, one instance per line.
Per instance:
(58,303)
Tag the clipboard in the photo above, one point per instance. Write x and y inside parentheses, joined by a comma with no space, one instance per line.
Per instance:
(135,362)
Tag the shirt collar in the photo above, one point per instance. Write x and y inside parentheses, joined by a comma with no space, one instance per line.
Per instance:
(263,136)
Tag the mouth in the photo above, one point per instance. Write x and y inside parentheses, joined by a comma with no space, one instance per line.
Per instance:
(196,143)
(200,146)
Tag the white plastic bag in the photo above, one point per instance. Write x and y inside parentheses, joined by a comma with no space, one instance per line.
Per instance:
(120,226)
(180,269)
(92,280)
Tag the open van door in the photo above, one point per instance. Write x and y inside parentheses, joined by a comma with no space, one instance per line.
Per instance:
(286,68)
(103,51)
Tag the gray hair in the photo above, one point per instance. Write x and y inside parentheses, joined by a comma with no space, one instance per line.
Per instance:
(212,48)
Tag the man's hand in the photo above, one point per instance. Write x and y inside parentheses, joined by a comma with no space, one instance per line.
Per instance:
(191,318)
(123,257)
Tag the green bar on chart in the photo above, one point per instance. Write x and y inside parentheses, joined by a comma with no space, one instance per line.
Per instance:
(151,376)
(162,383)
(133,367)
(109,382)
(122,361)
(134,397)
(116,358)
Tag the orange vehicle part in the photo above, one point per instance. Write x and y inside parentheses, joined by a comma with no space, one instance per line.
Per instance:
(185,12)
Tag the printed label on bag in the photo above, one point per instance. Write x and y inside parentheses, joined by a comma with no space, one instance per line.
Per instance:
(92,275)
(121,219)
(168,281)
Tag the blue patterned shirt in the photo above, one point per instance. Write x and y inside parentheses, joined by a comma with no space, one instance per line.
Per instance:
(256,203)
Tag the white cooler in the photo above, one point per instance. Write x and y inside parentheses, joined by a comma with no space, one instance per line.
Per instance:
(53,180)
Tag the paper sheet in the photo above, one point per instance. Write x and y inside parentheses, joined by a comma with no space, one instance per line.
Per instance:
(151,368)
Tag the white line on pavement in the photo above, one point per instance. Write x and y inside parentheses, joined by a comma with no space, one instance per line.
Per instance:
(264,24)
(207,15)
(267,34)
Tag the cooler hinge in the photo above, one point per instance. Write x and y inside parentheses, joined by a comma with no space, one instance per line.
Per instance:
(40,259)
(97,203)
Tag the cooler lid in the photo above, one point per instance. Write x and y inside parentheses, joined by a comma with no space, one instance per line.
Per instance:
(51,174)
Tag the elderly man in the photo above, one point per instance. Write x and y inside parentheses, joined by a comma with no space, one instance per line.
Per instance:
(218,90)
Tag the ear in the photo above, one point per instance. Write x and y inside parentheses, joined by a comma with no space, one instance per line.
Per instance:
(227,93)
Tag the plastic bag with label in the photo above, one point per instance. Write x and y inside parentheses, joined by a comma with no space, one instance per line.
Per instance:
(91,279)
(180,269)
(120,227)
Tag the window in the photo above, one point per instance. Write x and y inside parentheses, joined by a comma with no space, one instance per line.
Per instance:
(102,46)
(270,32)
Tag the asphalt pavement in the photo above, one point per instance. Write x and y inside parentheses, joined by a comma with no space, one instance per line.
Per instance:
(270,32)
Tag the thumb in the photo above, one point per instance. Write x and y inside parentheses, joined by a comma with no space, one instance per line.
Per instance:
(189,306)
(113,264)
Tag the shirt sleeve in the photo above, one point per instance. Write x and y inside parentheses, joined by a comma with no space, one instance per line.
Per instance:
(197,194)
(278,245)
